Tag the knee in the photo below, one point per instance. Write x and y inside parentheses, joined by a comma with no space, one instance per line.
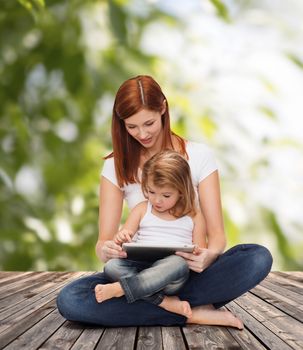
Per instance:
(63,303)
(180,263)
(261,260)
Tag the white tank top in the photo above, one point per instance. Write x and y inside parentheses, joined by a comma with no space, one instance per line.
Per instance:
(156,230)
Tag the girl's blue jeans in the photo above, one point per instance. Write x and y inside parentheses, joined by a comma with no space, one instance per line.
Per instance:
(149,281)
(234,272)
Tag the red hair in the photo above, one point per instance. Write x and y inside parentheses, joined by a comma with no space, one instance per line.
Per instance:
(135,94)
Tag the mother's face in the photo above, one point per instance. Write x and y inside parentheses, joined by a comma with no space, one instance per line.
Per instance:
(145,127)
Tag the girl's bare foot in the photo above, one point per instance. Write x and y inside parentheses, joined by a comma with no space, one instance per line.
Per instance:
(108,291)
(174,304)
(207,314)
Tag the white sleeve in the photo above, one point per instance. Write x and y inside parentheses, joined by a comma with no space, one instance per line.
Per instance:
(202,161)
(109,172)
(207,164)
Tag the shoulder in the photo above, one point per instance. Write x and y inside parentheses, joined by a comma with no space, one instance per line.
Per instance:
(141,207)
(201,160)
(109,172)
(109,163)
(197,149)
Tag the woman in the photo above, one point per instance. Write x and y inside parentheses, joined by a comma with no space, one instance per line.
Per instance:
(140,129)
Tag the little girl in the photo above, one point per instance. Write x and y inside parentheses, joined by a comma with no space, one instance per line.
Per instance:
(168,216)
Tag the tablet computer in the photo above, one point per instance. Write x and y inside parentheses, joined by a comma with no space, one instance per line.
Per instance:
(152,251)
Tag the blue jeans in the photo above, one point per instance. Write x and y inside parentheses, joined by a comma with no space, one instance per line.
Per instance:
(148,281)
(235,272)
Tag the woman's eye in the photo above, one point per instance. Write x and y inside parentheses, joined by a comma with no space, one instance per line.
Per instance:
(149,124)
(131,127)
(151,192)
(166,196)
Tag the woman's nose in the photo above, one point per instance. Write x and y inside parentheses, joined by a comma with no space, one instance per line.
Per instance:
(142,134)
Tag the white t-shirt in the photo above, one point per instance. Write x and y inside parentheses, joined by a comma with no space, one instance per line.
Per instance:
(200,159)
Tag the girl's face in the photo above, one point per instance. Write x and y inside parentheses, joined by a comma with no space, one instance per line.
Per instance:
(162,198)
(145,127)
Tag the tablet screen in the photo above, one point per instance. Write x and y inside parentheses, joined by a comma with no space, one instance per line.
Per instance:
(152,252)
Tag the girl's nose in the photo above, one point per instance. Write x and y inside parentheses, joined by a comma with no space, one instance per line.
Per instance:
(158,200)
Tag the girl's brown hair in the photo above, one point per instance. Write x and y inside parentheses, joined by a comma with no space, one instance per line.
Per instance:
(169,168)
(135,94)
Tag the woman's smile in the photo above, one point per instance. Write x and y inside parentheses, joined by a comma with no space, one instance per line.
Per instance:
(146,141)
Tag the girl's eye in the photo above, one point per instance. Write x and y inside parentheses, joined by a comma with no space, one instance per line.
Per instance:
(151,192)
(131,127)
(149,124)
(166,196)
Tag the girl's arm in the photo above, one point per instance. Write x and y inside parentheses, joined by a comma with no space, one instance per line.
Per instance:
(110,210)
(210,202)
(132,224)
(199,231)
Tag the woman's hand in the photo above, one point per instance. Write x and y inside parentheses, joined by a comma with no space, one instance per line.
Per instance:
(200,259)
(110,250)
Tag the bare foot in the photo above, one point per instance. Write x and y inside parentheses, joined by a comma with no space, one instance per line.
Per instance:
(174,304)
(108,291)
(207,314)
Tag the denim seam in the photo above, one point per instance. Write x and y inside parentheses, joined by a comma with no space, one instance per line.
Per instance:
(158,299)
(127,292)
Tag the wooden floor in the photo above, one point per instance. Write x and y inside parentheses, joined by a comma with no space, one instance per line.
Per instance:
(272,313)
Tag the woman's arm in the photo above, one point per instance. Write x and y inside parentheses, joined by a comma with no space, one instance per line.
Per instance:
(199,231)
(110,210)
(210,202)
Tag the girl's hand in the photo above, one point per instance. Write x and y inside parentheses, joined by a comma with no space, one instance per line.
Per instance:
(200,259)
(123,236)
(110,250)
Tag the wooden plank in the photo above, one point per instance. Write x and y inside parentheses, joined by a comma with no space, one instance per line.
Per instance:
(15,276)
(22,325)
(295,296)
(117,338)
(272,312)
(32,291)
(294,275)
(284,304)
(25,318)
(172,338)
(37,335)
(21,284)
(286,282)
(7,273)
(64,337)
(149,338)
(209,337)
(88,339)
(285,327)
(269,339)
(31,304)
(246,339)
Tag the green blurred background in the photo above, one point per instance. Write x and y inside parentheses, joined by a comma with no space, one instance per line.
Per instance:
(232,73)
